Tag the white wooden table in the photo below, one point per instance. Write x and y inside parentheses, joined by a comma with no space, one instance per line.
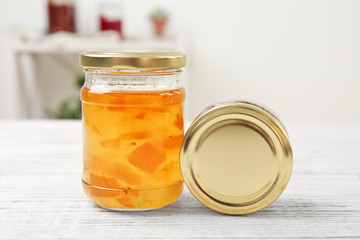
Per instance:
(41,195)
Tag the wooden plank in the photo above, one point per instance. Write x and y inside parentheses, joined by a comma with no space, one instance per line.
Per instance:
(55,206)
(32,146)
(41,195)
(326,148)
(317,148)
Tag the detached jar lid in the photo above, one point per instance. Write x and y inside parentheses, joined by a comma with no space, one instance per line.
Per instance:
(236,158)
(132,60)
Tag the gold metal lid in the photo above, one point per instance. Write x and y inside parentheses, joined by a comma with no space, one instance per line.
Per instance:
(132,60)
(236,158)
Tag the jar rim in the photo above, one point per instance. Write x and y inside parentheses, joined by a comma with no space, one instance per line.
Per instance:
(132,59)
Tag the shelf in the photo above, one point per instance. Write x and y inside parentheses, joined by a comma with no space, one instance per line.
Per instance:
(32,63)
(65,44)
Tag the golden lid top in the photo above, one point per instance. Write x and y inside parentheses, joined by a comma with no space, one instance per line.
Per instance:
(236,158)
(132,60)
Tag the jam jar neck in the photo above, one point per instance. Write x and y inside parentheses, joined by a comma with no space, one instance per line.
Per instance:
(133,80)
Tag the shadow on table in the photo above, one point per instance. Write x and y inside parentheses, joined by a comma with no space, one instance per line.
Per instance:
(290,208)
(187,205)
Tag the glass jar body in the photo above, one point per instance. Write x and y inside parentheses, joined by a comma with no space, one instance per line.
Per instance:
(133,131)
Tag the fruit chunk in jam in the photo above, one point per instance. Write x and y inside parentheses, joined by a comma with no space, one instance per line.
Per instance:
(131,147)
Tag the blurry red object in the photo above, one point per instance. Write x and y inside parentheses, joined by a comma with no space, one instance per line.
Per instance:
(110,24)
(159,19)
(61,16)
(111,16)
(159,27)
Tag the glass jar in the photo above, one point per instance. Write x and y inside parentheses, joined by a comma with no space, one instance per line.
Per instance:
(132,105)
(236,157)
(111,17)
(61,16)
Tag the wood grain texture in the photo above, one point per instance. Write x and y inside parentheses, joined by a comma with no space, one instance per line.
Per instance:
(41,195)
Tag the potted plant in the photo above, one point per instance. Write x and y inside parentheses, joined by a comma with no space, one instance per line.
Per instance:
(159,20)
(70,108)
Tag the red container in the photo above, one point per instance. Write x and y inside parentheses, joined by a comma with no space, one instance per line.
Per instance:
(159,26)
(61,16)
(111,17)
(110,24)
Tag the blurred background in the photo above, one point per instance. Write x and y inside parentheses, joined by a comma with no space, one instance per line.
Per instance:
(301,58)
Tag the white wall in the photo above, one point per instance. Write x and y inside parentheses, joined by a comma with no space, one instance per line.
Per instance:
(301,58)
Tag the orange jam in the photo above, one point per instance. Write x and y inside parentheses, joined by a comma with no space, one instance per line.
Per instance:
(132,141)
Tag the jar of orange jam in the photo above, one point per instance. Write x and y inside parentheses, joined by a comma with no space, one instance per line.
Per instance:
(132,108)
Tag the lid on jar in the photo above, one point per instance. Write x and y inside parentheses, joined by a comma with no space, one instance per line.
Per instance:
(132,60)
(236,158)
